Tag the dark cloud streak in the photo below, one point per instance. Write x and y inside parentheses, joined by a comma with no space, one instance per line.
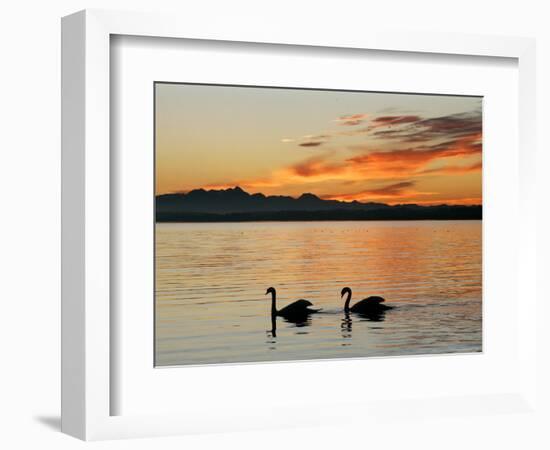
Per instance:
(424,130)
(311,144)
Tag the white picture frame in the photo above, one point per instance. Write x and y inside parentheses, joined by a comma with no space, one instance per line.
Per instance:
(87,354)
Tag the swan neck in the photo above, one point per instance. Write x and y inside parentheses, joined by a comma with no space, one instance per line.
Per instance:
(348,299)
(273,306)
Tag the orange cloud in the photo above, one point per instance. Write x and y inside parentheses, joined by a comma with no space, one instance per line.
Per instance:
(450,201)
(447,145)
(402,193)
(352,119)
(395,120)
(452,170)
(317,165)
(391,193)
(397,164)
(411,161)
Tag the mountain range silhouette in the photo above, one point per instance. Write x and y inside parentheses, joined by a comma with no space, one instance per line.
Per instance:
(235,205)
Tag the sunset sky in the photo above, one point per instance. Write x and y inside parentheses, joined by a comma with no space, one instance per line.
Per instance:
(390,148)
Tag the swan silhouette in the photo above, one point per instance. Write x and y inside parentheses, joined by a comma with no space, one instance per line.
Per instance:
(295,312)
(367,306)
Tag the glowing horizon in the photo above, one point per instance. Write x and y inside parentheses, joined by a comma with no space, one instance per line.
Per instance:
(364,146)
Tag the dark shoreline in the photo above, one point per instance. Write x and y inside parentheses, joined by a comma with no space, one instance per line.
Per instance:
(236,205)
(398,214)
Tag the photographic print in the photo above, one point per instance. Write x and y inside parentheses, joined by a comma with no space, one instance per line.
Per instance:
(298,224)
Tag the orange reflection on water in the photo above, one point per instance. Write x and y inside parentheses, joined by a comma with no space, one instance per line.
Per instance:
(211,281)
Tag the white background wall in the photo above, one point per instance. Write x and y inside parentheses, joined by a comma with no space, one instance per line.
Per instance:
(30,197)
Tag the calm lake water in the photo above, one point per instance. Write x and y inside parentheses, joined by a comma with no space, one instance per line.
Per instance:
(211,279)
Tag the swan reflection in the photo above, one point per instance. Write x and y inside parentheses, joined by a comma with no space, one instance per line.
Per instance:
(299,321)
(373,316)
(346,326)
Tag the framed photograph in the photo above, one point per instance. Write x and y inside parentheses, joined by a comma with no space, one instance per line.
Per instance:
(384,198)
(250,212)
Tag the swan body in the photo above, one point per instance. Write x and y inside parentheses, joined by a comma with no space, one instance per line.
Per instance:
(297,307)
(369,305)
(296,311)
